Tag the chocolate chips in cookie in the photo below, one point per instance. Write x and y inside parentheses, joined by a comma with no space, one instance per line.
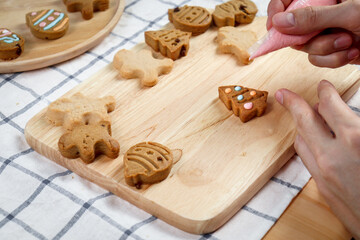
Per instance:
(190,19)
(234,12)
(172,43)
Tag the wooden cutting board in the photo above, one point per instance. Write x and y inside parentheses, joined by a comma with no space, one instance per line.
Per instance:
(224,161)
(81,36)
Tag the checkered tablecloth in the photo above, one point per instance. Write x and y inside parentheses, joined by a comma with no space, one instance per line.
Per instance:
(42,200)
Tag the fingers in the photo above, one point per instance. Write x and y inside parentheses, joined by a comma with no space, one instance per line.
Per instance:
(316,18)
(307,157)
(336,59)
(327,44)
(309,124)
(332,108)
(274,7)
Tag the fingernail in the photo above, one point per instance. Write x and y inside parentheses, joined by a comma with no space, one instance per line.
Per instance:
(279,97)
(342,42)
(284,20)
(353,54)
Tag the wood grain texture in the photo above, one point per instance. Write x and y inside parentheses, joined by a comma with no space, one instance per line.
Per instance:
(308,217)
(224,162)
(81,36)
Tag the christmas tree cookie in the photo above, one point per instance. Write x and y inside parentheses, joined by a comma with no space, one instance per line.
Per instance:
(172,43)
(246,103)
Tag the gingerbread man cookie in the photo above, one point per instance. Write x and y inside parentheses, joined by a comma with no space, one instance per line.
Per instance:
(11,44)
(80,110)
(190,19)
(234,11)
(147,162)
(172,43)
(88,141)
(246,103)
(47,24)
(237,42)
(142,65)
(87,7)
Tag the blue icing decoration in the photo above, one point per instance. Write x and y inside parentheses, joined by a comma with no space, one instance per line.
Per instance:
(43,17)
(240,97)
(237,88)
(12,39)
(54,22)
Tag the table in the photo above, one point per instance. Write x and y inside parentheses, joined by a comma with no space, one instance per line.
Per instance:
(41,200)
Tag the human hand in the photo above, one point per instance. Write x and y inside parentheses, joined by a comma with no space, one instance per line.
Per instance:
(332,158)
(335,47)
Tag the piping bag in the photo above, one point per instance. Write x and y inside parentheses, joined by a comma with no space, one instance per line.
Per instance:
(274,40)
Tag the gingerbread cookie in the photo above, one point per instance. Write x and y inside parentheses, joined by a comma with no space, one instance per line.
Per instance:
(234,12)
(87,7)
(47,24)
(190,19)
(79,110)
(89,141)
(141,65)
(11,44)
(237,42)
(246,103)
(147,162)
(172,43)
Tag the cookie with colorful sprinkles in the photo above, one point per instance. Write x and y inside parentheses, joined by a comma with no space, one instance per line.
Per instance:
(11,44)
(47,24)
(246,103)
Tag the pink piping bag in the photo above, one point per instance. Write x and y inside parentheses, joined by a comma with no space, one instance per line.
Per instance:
(274,40)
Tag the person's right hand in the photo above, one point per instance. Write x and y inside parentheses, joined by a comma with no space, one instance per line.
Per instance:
(335,47)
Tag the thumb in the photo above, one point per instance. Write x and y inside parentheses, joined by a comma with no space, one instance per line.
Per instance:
(311,19)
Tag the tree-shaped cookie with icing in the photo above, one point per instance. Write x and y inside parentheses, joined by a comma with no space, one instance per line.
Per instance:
(87,7)
(88,141)
(80,110)
(237,42)
(142,65)
(246,103)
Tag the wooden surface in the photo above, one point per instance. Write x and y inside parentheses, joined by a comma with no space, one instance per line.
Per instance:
(308,217)
(81,36)
(224,162)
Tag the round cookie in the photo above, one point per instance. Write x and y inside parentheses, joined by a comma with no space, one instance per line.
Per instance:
(190,19)
(147,162)
(47,24)
(11,44)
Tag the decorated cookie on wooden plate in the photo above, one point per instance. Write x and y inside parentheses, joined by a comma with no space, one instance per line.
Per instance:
(11,44)
(47,24)
(246,103)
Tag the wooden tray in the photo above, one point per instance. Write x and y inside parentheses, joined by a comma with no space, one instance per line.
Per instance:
(224,162)
(82,34)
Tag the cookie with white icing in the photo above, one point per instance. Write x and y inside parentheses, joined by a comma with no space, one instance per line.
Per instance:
(48,23)
(11,44)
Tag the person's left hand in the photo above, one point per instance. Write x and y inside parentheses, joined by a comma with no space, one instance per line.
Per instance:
(328,143)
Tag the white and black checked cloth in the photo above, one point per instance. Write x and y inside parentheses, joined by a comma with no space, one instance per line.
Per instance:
(42,200)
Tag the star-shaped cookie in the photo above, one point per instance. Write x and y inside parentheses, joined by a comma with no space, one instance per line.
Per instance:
(88,141)
(237,42)
(87,7)
(80,110)
(142,65)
